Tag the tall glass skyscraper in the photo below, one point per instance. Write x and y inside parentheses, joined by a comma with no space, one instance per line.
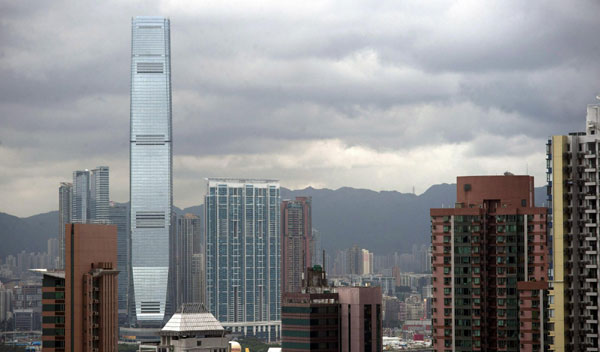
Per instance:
(243,287)
(80,197)
(99,194)
(64,217)
(150,165)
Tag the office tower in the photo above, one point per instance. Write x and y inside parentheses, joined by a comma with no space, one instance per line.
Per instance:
(296,238)
(150,166)
(99,195)
(573,197)
(119,216)
(490,262)
(184,230)
(5,303)
(361,318)
(64,217)
(242,220)
(80,197)
(311,318)
(80,303)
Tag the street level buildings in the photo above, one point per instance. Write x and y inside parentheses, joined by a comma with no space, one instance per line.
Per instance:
(79,305)
(574,200)
(490,265)
(296,238)
(151,182)
(243,255)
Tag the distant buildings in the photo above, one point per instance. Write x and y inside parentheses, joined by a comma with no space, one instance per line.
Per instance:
(243,255)
(119,215)
(490,261)
(80,304)
(151,165)
(296,239)
(573,201)
(359,261)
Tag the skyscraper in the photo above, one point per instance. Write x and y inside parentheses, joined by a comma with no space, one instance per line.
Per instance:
(64,217)
(119,215)
(574,199)
(184,230)
(99,194)
(150,165)
(296,236)
(80,197)
(490,267)
(243,288)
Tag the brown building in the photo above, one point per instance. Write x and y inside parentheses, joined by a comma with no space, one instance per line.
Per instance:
(361,318)
(79,305)
(296,236)
(310,320)
(488,253)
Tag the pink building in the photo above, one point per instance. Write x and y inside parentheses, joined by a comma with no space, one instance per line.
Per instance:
(361,318)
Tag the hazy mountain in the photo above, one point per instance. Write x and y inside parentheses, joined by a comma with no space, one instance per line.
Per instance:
(382,222)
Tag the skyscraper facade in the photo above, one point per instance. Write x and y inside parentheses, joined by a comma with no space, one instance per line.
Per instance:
(296,236)
(490,267)
(119,216)
(64,217)
(80,197)
(574,199)
(183,230)
(151,185)
(243,288)
(99,194)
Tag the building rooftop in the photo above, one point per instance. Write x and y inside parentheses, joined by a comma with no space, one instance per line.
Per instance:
(192,318)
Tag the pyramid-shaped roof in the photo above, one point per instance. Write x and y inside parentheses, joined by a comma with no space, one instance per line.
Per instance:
(192,319)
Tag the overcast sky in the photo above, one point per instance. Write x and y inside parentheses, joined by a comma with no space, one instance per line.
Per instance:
(384,95)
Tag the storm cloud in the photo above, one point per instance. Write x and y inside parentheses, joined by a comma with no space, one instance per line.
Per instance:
(379,95)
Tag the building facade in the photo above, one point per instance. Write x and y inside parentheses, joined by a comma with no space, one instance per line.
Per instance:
(80,197)
(99,195)
(243,255)
(573,197)
(493,240)
(151,182)
(80,305)
(296,238)
(64,217)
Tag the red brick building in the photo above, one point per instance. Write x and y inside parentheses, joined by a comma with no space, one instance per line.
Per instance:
(487,252)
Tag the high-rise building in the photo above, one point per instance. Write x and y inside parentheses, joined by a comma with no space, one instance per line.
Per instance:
(64,217)
(52,253)
(185,230)
(574,200)
(80,197)
(243,255)
(119,216)
(296,237)
(361,318)
(99,195)
(80,304)
(489,254)
(198,278)
(151,163)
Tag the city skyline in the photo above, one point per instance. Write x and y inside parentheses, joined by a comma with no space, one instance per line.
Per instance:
(311,89)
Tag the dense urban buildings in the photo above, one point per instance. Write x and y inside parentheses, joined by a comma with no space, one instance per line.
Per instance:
(64,217)
(572,162)
(80,304)
(489,251)
(151,163)
(359,261)
(361,318)
(296,239)
(185,231)
(310,319)
(243,255)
